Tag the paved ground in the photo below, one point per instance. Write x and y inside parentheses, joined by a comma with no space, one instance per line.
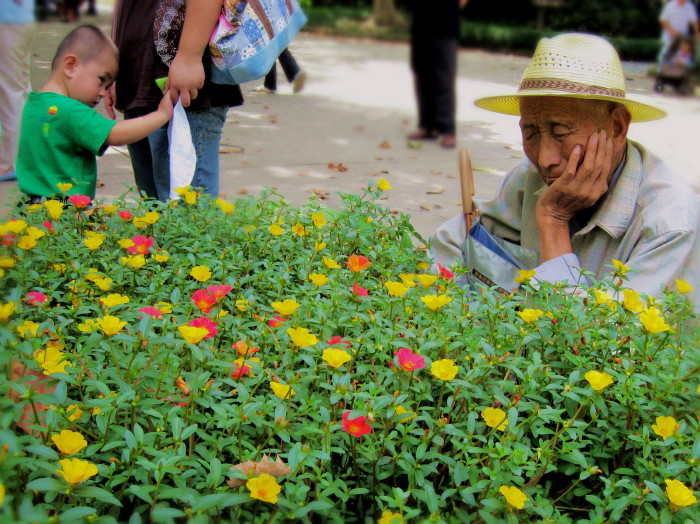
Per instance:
(356,110)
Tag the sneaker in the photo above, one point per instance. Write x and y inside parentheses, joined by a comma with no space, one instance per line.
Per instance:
(299,82)
(448,141)
(422,134)
(263,89)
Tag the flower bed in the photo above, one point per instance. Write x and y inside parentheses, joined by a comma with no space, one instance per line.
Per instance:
(313,350)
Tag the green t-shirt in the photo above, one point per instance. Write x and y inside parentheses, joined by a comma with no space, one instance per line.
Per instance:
(59,140)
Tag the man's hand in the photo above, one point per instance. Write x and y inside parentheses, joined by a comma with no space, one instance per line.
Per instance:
(579,186)
(185,79)
(110,100)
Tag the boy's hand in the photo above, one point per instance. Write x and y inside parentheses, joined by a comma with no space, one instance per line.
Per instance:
(165,107)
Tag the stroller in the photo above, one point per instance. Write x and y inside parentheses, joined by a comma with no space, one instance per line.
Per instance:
(677,66)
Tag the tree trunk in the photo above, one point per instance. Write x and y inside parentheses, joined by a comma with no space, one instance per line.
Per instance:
(384,13)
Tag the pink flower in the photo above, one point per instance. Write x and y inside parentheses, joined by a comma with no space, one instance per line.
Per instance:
(205,323)
(339,340)
(444,272)
(80,201)
(35,298)
(8,239)
(276,321)
(408,360)
(219,291)
(356,426)
(125,214)
(203,300)
(48,225)
(359,291)
(141,246)
(241,369)
(151,311)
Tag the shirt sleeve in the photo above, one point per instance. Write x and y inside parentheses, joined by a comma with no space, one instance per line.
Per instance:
(564,269)
(89,129)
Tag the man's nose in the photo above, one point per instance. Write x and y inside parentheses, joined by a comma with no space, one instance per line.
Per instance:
(549,153)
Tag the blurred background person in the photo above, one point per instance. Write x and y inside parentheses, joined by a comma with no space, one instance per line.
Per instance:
(292,71)
(677,18)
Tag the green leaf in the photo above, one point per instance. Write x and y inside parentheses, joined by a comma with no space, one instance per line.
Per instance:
(210,501)
(42,451)
(47,484)
(315,505)
(77,513)
(96,493)
(166,513)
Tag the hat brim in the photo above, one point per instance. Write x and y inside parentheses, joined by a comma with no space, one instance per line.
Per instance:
(510,104)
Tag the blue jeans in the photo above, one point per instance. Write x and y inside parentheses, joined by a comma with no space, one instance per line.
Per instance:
(150,159)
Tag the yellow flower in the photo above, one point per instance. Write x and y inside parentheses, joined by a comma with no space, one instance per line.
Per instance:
(7,262)
(89,326)
(35,232)
(2,493)
(400,410)
(160,256)
(426,280)
(249,229)
(683,286)
(242,304)
(114,300)
(264,487)
(105,283)
(407,279)
(330,263)
(193,335)
(444,369)
(282,391)
(679,494)
(69,442)
(126,243)
(318,219)
(189,196)
(73,412)
(396,289)
(6,311)
(301,337)
(631,300)
(75,471)
(598,380)
(225,206)
(299,229)
(27,328)
(335,357)
(620,267)
(51,359)
(665,426)
(135,261)
(26,242)
(383,185)
(391,518)
(148,219)
(435,302)
(286,307)
(318,246)
(530,315)
(55,208)
(495,418)
(276,230)
(603,297)
(524,275)
(164,307)
(200,273)
(110,210)
(64,187)
(514,496)
(13,226)
(110,325)
(653,321)
(94,242)
(318,278)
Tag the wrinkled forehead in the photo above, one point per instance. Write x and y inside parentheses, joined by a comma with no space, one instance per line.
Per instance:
(545,109)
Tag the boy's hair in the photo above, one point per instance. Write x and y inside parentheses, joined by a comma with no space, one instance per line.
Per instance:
(86,42)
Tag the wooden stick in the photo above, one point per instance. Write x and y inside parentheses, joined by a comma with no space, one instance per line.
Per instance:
(466,178)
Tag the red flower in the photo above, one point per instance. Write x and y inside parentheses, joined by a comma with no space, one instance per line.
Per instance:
(444,272)
(125,214)
(276,321)
(359,291)
(151,311)
(241,369)
(357,263)
(9,239)
(356,426)
(48,225)
(141,245)
(207,324)
(80,201)
(408,360)
(203,300)
(243,348)
(35,298)
(219,291)
(339,340)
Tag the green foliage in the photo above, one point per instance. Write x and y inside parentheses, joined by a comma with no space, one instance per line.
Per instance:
(164,447)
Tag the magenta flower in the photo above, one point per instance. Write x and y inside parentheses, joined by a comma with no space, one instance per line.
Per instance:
(219,291)
(141,245)
(334,341)
(151,311)
(359,291)
(35,298)
(408,360)
(204,322)
(80,201)
(125,214)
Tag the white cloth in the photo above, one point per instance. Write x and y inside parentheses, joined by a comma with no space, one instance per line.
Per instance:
(679,17)
(183,158)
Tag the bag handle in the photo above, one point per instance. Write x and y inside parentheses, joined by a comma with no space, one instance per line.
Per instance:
(260,13)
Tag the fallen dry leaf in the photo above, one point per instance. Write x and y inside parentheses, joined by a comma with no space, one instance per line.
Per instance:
(243,191)
(436,172)
(319,193)
(378,158)
(384,145)
(276,469)
(414,144)
(430,207)
(337,167)
(437,190)
(230,149)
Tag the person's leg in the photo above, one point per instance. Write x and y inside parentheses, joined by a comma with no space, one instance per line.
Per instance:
(15,42)
(421,65)
(445,99)
(147,160)
(289,65)
(206,126)
(271,78)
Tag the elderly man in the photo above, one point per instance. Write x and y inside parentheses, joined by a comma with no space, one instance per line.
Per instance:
(586,194)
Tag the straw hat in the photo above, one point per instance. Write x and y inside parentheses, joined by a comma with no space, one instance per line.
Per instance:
(573,65)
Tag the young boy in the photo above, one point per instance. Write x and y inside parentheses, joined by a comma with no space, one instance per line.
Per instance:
(61,134)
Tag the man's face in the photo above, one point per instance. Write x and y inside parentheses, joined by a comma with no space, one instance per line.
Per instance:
(93,78)
(552,126)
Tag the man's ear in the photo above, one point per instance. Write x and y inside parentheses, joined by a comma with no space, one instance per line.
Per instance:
(621,119)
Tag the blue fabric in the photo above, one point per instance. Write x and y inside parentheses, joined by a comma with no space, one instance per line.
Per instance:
(13,14)
(238,69)
(479,233)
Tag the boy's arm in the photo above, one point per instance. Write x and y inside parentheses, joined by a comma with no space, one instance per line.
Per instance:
(134,129)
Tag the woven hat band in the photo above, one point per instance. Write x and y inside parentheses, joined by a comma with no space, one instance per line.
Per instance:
(567,86)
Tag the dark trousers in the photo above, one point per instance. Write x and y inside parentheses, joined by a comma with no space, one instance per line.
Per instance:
(434,64)
(289,66)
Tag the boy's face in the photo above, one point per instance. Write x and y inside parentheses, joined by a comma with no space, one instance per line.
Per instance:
(91,79)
